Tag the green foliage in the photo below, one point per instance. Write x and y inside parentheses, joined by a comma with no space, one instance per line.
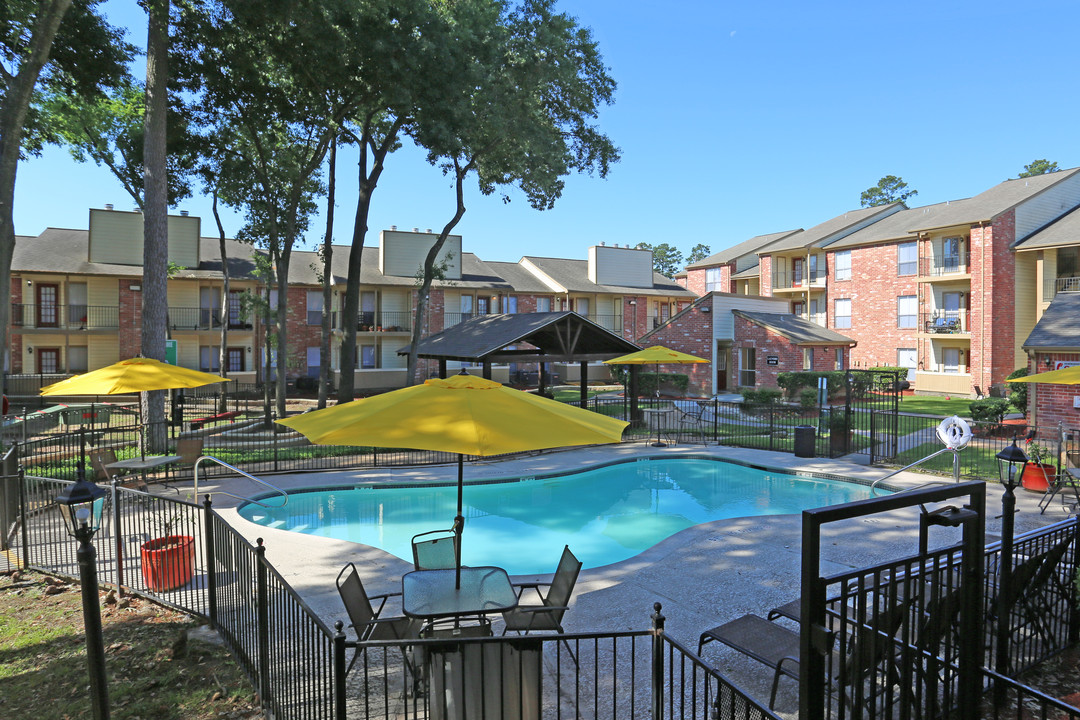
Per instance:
(649,382)
(1038,167)
(698,253)
(1018,392)
(794,382)
(838,421)
(890,189)
(667,260)
(808,399)
(1039,453)
(989,409)
(761,398)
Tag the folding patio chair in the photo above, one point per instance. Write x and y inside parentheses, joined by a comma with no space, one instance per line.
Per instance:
(1064,483)
(549,614)
(368,621)
(101,458)
(689,422)
(436,549)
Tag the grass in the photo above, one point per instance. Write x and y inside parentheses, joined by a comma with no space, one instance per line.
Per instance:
(151,672)
(934,405)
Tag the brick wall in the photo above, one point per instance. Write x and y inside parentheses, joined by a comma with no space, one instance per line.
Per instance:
(993,301)
(130,314)
(765,272)
(16,340)
(765,343)
(300,335)
(691,332)
(874,289)
(695,281)
(1053,403)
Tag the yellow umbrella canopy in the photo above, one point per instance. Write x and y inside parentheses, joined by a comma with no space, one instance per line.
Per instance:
(657,354)
(131,376)
(1064,376)
(462,414)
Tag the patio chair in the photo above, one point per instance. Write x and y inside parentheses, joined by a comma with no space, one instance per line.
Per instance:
(101,458)
(689,422)
(549,614)
(1065,482)
(368,621)
(778,647)
(438,550)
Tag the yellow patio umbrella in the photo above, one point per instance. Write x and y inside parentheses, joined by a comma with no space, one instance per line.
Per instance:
(657,355)
(462,414)
(131,376)
(1065,376)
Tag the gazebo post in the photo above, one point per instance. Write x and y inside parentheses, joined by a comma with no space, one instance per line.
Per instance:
(541,386)
(442,369)
(632,389)
(584,384)
(487,369)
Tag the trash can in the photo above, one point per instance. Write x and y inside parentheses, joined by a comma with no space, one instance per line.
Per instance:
(804,441)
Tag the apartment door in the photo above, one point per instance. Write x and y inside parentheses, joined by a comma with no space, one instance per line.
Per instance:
(367,311)
(76,300)
(797,267)
(48,301)
(950,252)
(950,302)
(952,360)
(209,308)
(48,360)
(723,355)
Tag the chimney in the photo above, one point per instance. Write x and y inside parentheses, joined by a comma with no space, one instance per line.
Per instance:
(183,213)
(393,227)
(429,231)
(416,230)
(602,243)
(108,206)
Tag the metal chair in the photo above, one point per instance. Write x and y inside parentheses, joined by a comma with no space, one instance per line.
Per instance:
(368,621)
(438,550)
(99,461)
(554,603)
(689,422)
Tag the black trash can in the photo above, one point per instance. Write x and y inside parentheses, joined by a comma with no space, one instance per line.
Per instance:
(805,435)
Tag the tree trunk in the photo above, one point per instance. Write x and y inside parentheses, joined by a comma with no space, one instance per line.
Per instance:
(14,104)
(223,366)
(155,308)
(328,275)
(282,331)
(429,269)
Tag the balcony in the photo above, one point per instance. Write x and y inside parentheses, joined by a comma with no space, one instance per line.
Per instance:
(784,280)
(608,322)
(189,318)
(945,322)
(1062,284)
(371,321)
(938,265)
(64,317)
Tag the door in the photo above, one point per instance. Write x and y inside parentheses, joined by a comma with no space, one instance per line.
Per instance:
(950,250)
(951,303)
(48,360)
(797,266)
(77,305)
(952,360)
(48,299)
(723,352)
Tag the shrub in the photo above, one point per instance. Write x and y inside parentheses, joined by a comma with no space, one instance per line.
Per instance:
(989,409)
(1018,392)
(838,421)
(808,399)
(649,381)
(762,397)
(794,382)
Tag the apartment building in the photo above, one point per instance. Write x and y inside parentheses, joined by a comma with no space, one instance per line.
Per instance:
(76,302)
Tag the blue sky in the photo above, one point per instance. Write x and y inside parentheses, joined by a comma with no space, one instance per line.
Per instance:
(734,120)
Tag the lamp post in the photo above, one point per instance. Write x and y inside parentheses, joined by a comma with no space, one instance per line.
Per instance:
(1010,464)
(81,505)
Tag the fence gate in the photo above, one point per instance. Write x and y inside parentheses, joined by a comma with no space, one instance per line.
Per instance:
(872,407)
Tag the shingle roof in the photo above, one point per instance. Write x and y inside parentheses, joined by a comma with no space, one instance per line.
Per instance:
(746,247)
(520,279)
(1059,326)
(896,227)
(750,272)
(988,205)
(796,329)
(482,336)
(824,233)
(574,276)
(474,272)
(1063,231)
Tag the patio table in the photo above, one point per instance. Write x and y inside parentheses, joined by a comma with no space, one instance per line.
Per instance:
(431,595)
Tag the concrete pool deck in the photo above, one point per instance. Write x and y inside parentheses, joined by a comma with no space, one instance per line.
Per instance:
(703,576)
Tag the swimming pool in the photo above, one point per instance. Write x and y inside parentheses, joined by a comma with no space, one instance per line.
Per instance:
(606,514)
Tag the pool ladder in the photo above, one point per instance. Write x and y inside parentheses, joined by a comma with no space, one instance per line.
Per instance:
(956,471)
(249,476)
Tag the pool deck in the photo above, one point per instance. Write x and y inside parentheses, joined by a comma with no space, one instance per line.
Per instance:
(703,576)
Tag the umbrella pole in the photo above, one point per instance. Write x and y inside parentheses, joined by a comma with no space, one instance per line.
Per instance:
(459,521)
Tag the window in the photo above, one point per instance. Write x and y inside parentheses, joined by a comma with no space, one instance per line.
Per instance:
(952,360)
(907,358)
(907,311)
(366,357)
(482,305)
(798,308)
(581,306)
(314,307)
(838,363)
(236,320)
(367,310)
(77,359)
(76,307)
(712,280)
(797,266)
(509,304)
(314,361)
(234,358)
(208,358)
(808,359)
(543,304)
(908,258)
(842,260)
(950,254)
(48,360)
(813,268)
(747,367)
(842,313)
(815,312)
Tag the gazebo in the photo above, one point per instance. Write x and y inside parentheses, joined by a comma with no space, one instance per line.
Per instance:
(547,337)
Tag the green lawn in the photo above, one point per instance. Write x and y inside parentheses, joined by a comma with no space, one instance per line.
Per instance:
(935,405)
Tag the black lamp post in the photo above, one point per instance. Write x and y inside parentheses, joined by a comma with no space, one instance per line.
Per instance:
(81,505)
(1010,465)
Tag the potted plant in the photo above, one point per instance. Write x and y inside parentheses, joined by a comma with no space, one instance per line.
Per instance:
(1039,472)
(168,561)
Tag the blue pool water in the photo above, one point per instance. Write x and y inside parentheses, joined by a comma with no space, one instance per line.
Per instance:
(605,515)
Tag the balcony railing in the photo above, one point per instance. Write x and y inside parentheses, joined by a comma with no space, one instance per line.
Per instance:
(372,321)
(191,318)
(785,280)
(65,317)
(1064,284)
(945,322)
(608,322)
(450,319)
(945,264)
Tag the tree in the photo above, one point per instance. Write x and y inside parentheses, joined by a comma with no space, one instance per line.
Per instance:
(890,189)
(44,45)
(698,253)
(1038,167)
(666,259)
(535,83)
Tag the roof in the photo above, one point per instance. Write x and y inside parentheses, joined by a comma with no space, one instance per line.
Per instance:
(986,206)
(519,278)
(735,252)
(1059,326)
(896,227)
(748,273)
(832,229)
(1064,231)
(559,335)
(574,276)
(796,329)
(475,273)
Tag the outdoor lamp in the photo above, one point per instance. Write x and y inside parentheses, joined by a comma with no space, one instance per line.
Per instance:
(1010,461)
(81,505)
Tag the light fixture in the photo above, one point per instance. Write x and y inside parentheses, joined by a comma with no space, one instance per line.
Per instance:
(29,283)
(706,308)
(29,351)
(633,302)
(81,505)
(1048,362)
(1011,461)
